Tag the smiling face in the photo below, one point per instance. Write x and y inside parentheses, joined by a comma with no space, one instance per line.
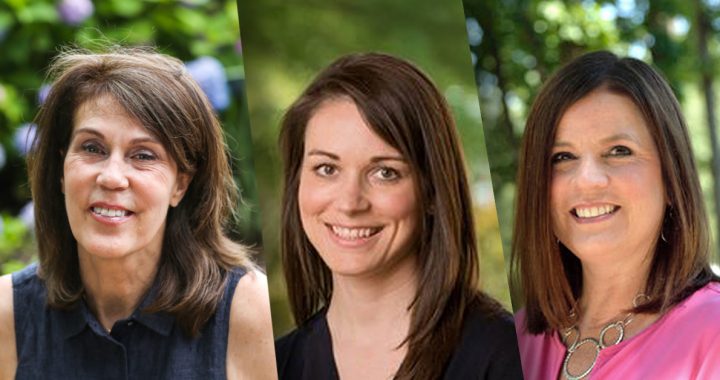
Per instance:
(607,194)
(119,182)
(357,199)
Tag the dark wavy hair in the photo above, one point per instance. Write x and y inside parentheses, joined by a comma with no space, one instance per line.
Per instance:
(405,109)
(550,275)
(156,90)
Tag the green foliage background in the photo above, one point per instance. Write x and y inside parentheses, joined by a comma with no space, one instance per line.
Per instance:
(520,43)
(31,34)
(288,42)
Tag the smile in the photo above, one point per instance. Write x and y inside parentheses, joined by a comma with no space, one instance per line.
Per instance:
(594,212)
(354,233)
(110,213)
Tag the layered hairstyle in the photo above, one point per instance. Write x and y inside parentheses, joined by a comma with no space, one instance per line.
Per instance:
(550,274)
(159,93)
(405,109)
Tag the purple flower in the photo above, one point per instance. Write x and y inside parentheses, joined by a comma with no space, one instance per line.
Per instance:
(210,75)
(74,12)
(24,137)
(43,93)
(27,215)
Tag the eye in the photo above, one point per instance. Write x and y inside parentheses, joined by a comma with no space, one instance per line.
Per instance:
(92,148)
(386,173)
(325,170)
(145,156)
(620,151)
(561,156)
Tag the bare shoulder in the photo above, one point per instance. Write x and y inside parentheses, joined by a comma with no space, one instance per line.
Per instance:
(251,352)
(8,355)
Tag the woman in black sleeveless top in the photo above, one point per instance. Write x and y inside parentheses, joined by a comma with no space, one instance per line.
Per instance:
(136,279)
(378,240)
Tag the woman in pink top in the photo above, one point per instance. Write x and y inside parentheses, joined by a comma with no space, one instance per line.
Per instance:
(611,241)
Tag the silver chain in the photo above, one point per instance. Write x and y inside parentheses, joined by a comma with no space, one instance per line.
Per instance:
(598,344)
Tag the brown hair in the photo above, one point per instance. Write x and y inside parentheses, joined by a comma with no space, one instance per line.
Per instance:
(156,90)
(550,275)
(404,108)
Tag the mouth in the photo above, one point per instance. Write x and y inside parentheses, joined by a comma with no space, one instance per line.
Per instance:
(594,211)
(110,212)
(354,233)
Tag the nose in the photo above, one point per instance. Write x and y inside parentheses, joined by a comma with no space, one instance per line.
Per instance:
(592,174)
(352,195)
(113,175)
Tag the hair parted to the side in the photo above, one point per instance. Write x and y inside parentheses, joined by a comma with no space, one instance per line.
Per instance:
(404,108)
(549,274)
(156,90)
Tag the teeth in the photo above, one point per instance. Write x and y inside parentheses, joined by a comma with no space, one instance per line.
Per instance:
(592,212)
(354,233)
(109,212)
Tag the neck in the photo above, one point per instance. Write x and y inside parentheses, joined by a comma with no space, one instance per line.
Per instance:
(114,287)
(363,308)
(609,290)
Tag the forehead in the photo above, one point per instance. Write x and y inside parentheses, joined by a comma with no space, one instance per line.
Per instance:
(338,126)
(600,115)
(106,114)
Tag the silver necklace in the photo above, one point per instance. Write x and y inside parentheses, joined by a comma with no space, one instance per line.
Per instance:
(597,344)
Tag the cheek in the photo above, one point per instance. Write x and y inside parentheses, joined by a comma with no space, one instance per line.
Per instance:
(76,180)
(398,204)
(312,196)
(557,194)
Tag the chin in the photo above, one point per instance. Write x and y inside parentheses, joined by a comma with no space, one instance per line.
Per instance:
(105,250)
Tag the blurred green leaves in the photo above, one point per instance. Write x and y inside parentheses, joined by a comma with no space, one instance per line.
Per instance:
(288,42)
(33,32)
(524,41)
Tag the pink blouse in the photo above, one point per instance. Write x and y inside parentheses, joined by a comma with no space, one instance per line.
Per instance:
(683,344)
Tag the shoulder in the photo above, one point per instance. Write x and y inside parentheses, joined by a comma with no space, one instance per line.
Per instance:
(250,339)
(700,309)
(488,345)
(8,355)
(306,350)
(297,339)
(695,318)
(489,325)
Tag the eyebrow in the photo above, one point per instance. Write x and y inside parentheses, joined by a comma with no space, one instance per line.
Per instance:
(616,137)
(97,133)
(319,152)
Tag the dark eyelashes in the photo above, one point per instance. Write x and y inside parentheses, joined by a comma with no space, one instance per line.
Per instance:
(615,151)
(620,150)
(561,156)
(324,169)
(94,148)
(383,173)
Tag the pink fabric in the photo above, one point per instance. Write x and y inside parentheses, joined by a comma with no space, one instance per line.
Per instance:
(683,344)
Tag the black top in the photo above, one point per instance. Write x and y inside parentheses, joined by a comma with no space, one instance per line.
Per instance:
(60,344)
(487,350)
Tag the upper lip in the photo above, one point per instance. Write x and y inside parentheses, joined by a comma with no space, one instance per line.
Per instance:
(109,206)
(330,224)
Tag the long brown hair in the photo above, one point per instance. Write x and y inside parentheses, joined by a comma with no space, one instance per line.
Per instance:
(402,106)
(550,275)
(156,90)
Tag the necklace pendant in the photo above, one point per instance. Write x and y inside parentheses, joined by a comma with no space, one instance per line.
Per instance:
(619,326)
(572,350)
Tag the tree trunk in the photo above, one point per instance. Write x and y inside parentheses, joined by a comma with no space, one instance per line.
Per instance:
(707,87)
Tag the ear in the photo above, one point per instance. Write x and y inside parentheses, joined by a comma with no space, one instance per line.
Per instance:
(181,185)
